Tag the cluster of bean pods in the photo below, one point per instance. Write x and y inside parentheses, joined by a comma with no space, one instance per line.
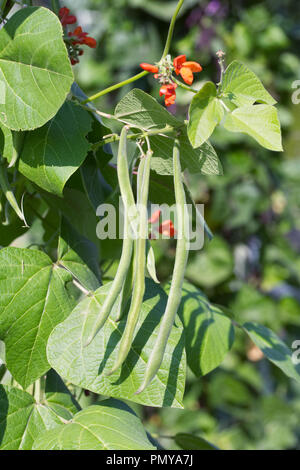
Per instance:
(130,276)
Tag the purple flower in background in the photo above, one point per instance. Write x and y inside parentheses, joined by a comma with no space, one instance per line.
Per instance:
(294,238)
(213,8)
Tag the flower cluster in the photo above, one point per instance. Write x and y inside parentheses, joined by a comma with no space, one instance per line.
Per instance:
(163,72)
(76,37)
(166,228)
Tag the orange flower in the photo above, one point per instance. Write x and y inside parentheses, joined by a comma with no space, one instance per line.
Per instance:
(167,228)
(149,67)
(186,68)
(169,91)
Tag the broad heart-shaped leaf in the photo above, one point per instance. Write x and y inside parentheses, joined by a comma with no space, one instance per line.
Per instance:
(35,70)
(87,366)
(260,121)
(58,396)
(209,334)
(205,113)
(202,160)
(273,348)
(111,425)
(51,154)
(241,86)
(191,442)
(140,109)
(78,255)
(33,301)
(22,420)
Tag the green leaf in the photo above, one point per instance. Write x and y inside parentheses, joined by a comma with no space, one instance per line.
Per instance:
(58,396)
(209,333)
(87,366)
(111,425)
(162,10)
(273,348)
(79,256)
(22,420)
(35,70)
(202,160)
(259,121)
(243,87)
(51,154)
(140,109)
(33,302)
(190,442)
(205,113)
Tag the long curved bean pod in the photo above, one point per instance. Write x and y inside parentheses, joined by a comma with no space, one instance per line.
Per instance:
(126,290)
(181,258)
(140,262)
(129,204)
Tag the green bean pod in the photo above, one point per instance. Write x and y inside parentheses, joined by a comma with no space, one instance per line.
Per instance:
(129,203)
(181,258)
(140,263)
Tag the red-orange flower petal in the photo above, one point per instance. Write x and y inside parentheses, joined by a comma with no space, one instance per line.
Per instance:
(187,75)
(193,66)
(178,61)
(149,67)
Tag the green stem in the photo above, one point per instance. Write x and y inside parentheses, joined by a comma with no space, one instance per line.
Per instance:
(115,87)
(188,88)
(171,29)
